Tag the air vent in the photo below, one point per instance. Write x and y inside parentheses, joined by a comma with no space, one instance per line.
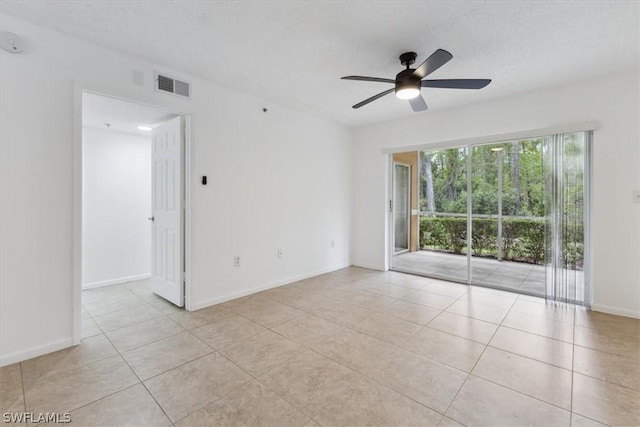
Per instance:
(171,85)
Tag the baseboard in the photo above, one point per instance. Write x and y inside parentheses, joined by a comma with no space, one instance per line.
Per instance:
(614,310)
(369,266)
(115,281)
(264,287)
(19,356)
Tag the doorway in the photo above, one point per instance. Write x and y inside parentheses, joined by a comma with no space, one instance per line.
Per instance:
(133,202)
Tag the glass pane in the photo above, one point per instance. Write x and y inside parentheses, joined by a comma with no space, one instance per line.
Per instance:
(442,204)
(508,216)
(401,208)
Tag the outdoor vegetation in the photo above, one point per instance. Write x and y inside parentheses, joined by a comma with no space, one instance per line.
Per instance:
(524,168)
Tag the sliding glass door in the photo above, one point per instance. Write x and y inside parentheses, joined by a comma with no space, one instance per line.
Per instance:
(401,197)
(511,215)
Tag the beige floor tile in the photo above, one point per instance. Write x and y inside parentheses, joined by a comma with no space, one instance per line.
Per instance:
(608,323)
(415,313)
(557,312)
(480,311)
(482,403)
(308,330)
(387,328)
(405,280)
(227,331)
(356,350)
(606,366)
(610,342)
(369,300)
(429,299)
(383,288)
(549,328)
(607,403)
(252,404)
(282,292)
(133,336)
(554,352)
(133,406)
(105,293)
(195,319)
(312,382)
(160,356)
(449,349)
(244,304)
(11,392)
(192,386)
(71,389)
(127,317)
(369,404)
(10,377)
(272,313)
(580,421)
(536,379)
(490,297)
(448,422)
(307,301)
(448,289)
(263,352)
(426,381)
(163,306)
(90,328)
(465,327)
(91,350)
(116,304)
(342,312)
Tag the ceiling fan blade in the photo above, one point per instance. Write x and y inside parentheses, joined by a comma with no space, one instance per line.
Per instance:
(373,98)
(432,63)
(457,83)
(418,104)
(368,79)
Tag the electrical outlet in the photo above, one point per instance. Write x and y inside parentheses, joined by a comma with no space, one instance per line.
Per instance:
(333,244)
(236,261)
(280,254)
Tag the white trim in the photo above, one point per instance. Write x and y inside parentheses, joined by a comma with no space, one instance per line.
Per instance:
(532,133)
(277,283)
(19,356)
(116,281)
(617,311)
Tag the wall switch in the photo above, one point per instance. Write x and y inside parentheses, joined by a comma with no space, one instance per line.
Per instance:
(236,261)
(636,196)
(333,244)
(280,254)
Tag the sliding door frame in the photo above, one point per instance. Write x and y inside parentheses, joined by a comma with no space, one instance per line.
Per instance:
(587,128)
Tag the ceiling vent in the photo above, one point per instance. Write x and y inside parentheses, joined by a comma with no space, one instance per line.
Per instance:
(171,85)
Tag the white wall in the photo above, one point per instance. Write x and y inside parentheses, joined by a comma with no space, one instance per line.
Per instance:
(280,179)
(116,202)
(612,100)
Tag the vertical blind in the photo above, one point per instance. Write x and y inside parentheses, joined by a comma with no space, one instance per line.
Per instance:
(566,172)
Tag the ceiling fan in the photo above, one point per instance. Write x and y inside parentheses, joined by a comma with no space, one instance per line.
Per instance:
(409,81)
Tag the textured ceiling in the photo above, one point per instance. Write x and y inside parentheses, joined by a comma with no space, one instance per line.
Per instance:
(294,52)
(122,116)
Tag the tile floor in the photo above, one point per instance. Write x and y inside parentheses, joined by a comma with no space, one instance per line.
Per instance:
(353,347)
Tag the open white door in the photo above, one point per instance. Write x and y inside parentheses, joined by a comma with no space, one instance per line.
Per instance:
(167,248)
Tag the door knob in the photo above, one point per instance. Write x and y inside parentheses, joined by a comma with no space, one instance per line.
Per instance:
(151,219)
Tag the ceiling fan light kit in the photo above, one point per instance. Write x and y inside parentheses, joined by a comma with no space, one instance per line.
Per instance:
(409,81)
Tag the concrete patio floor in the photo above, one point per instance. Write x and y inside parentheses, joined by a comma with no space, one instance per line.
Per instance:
(517,276)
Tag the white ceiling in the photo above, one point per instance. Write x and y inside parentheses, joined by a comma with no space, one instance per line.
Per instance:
(294,52)
(121,116)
